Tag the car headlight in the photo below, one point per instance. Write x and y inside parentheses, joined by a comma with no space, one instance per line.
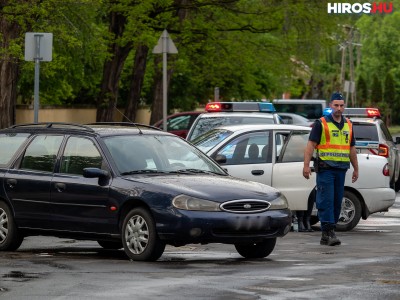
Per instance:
(191,203)
(279,203)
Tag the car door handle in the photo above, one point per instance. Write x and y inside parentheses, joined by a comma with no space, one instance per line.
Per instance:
(60,187)
(11,183)
(257,172)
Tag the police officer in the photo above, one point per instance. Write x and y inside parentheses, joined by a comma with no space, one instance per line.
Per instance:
(332,138)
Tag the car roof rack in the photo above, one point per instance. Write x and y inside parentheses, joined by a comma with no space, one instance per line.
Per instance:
(53,125)
(127,124)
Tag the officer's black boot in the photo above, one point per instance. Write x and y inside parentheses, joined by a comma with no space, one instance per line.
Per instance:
(324,238)
(328,235)
(333,240)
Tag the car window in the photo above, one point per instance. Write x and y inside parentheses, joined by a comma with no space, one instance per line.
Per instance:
(286,119)
(80,153)
(177,123)
(210,139)
(13,142)
(386,134)
(365,132)
(205,124)
(294,149)
(41,153)
(307,110)
(250,148)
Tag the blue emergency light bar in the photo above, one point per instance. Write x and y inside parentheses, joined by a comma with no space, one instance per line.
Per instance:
(327,111)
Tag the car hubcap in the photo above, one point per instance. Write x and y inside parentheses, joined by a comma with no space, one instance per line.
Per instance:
(347,212)
(137,234)
(3,225)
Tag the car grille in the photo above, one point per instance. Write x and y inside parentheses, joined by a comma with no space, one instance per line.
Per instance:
(245,206)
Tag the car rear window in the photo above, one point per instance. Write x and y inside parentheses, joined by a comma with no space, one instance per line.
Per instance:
(365,132)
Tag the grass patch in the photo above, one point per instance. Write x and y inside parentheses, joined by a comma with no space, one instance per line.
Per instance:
(394,129)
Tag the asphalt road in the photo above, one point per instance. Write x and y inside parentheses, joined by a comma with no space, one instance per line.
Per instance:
(366,266)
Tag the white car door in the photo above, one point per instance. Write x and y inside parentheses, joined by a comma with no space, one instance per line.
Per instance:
(249,156)
(287,172)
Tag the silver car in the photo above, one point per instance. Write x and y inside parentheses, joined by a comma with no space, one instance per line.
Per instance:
(373,137)
(233,113)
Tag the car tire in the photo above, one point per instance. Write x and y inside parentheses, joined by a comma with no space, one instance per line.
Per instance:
(256,250)
(397,185)
(10,238)
(350,214)
(110,245)
(139,236)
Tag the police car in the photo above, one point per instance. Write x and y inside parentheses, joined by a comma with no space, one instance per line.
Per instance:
(233,113)
(373,137)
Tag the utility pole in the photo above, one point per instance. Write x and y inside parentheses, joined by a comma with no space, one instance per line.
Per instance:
(351,62)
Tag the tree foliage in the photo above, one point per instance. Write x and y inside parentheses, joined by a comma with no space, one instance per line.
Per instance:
(380,39)
(249,49)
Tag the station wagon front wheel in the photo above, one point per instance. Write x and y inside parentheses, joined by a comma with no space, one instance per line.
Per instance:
(139,236)
(10,238)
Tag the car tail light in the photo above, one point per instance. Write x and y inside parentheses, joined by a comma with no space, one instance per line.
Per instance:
(383,150)
(385,170)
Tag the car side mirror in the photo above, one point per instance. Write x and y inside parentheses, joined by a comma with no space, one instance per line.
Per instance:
(397,141)
(220,158)
(103,175)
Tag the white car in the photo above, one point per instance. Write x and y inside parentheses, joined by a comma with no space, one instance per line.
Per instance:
(273,154)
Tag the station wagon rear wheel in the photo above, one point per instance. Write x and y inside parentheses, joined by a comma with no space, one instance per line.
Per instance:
(256,250)
(139,236)
(10,239)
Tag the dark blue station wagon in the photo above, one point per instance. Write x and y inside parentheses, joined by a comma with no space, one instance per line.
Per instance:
(129,186)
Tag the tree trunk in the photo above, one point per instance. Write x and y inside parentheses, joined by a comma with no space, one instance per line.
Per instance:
(138,72)
(8,73)
(108,95)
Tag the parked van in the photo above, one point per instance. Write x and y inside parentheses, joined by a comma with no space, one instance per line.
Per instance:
(311,109)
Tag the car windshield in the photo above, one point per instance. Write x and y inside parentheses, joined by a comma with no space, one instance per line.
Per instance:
(207,141)
(135,154)
(206,124)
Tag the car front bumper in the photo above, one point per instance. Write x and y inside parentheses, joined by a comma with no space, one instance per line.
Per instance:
(223,227)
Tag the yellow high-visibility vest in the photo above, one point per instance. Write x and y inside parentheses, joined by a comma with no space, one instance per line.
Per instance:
(335,143)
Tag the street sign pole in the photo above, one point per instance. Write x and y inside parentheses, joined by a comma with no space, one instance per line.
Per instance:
(165,45)
(38,47)
(165,76)
(37,59)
